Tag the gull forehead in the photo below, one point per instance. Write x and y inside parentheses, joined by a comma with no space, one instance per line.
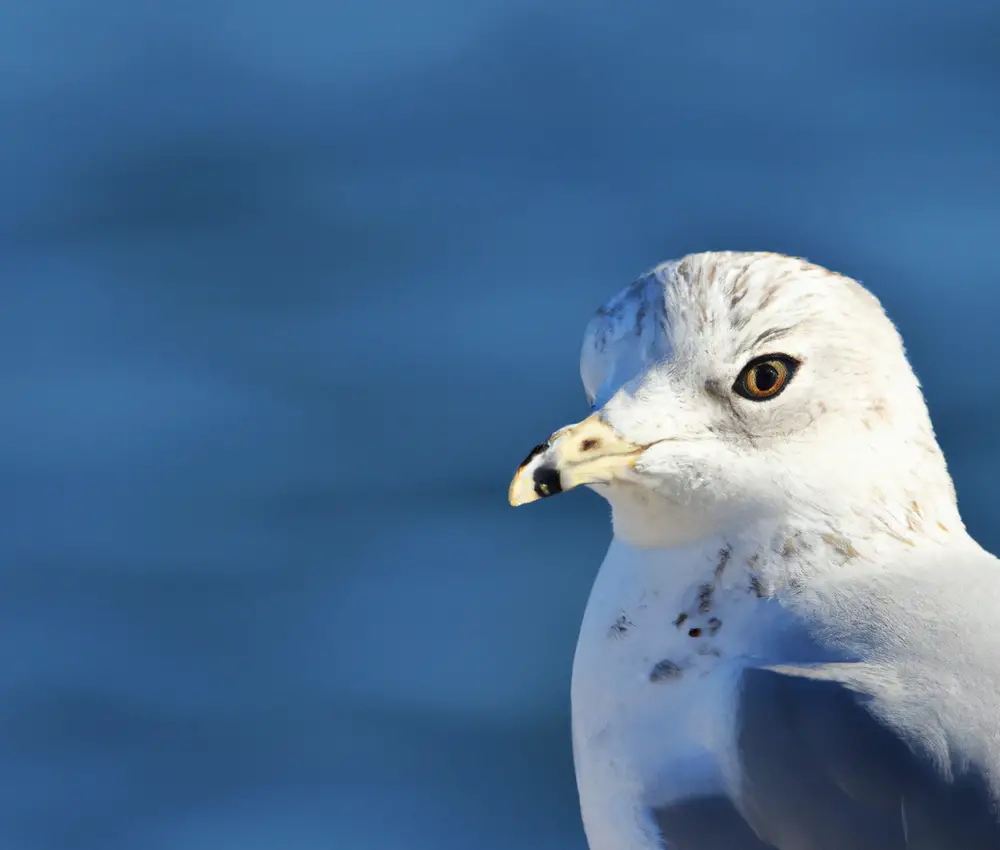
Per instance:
(730,304)
(712,312)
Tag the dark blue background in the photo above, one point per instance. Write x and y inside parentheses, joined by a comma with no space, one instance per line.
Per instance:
(288,289)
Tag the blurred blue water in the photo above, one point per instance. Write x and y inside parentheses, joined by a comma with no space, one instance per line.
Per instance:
(287,292)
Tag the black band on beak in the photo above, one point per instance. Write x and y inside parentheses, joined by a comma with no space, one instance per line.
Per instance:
(547,481)
(537,450)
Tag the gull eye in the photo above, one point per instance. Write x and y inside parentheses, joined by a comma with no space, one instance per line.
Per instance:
(764,377)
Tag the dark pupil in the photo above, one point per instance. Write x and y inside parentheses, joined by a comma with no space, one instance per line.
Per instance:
(766,377)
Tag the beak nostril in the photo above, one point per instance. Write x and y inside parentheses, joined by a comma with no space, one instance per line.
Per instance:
(589,443)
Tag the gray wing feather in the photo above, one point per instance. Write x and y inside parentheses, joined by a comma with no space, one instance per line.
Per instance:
(822,771)
(706,823)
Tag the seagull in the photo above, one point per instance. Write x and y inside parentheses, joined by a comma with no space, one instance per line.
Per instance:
(792,642)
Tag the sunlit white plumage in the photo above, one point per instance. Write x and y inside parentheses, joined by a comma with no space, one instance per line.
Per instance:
(790,643)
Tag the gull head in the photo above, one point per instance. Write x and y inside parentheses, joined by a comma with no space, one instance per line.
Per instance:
(729,386)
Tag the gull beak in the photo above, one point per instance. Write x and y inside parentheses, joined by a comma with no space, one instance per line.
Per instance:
(590,452)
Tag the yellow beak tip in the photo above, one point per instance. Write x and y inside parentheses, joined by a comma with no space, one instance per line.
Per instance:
(522,489)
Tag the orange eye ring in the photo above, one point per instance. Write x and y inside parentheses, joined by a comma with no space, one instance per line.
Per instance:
(764,377)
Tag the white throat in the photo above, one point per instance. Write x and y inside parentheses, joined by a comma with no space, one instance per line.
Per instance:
(660,626)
